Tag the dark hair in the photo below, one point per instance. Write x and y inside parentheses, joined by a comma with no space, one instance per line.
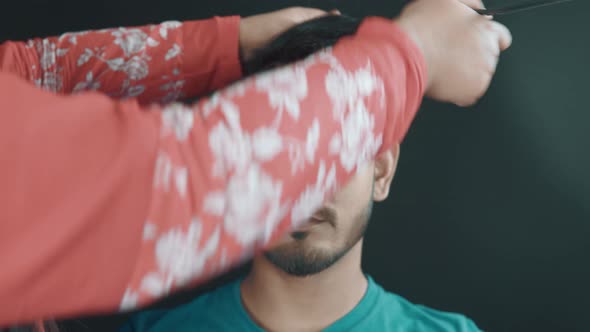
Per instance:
(301,41)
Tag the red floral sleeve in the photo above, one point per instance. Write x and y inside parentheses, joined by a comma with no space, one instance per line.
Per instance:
(107,205)
(155,63)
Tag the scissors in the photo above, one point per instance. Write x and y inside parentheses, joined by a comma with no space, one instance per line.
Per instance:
(519,7)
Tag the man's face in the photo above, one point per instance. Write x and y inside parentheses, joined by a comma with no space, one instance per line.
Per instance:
(337,227)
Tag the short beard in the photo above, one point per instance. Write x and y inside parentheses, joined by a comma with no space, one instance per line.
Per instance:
(303,262)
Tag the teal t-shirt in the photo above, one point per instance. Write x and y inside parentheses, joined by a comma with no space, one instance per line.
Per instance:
(222,310)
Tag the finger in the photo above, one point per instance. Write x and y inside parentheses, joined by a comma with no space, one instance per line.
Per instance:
(492,52)
(503,34)
(312,13)
(474,4)
(335,12)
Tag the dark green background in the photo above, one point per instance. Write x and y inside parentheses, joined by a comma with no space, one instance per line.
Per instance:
(489,212)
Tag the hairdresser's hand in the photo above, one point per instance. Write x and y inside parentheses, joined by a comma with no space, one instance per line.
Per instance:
(256,31)
(461,47)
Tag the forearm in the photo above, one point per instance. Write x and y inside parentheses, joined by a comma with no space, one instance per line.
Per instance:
(155,63)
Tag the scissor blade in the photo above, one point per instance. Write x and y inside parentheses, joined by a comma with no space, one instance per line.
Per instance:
(520,7)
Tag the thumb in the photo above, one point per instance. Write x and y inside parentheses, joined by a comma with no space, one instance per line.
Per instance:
(504,35)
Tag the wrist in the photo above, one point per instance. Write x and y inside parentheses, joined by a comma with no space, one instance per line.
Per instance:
(246,45)
(418,37)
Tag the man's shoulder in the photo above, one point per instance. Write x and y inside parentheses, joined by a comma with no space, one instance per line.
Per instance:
(404,315)
(205,310)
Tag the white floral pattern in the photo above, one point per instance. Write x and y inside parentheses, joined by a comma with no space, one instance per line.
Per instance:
(163,172)
(167,174)
(181,255)
(249,203)
(266,143)
(136,68)
(85,57)
(48,72)
(130,300)
(52,81)
(149,231)
(155,285)
(131,55)
(179,120)
(173,52)
(285,88)
(165,26)
(312,141)
(133,91)
(174,89)
(131,41)
(232,149)
(181,180)
(356,142)
(313,196)
(215,203)
(223,100)
(88,85)
(73,36)
(303,152)
(347,88)
(48,55)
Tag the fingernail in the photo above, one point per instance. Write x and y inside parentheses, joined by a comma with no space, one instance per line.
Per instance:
(335,12)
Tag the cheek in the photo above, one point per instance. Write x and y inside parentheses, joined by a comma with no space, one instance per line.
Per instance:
(353,200)
(356,194)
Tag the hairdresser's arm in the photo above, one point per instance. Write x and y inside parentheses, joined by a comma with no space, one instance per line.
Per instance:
(153,63)
(106,205)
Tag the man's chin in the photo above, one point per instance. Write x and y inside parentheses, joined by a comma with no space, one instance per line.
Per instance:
(298,260)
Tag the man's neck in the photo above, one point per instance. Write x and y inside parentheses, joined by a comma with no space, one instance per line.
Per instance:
(280,302)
